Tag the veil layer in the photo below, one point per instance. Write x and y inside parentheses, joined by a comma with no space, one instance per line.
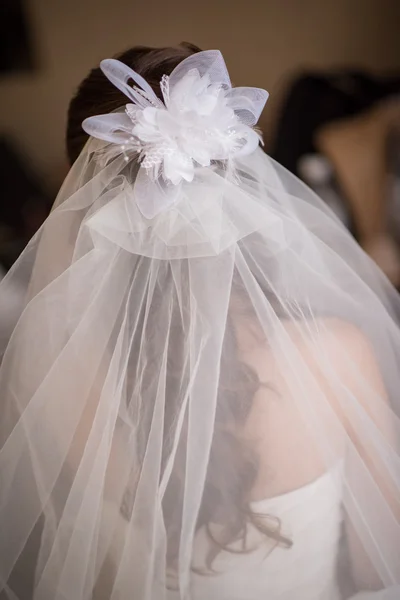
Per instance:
(167,376)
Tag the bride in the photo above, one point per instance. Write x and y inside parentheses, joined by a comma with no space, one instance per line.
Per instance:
(200,397)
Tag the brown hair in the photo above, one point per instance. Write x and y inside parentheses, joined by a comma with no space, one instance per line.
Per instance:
(96,95)
(225,511)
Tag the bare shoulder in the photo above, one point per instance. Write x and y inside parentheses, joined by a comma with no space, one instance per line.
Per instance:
(342,348)
(353,353)
(341,340)
(331,341)
(327,362)
(334,349)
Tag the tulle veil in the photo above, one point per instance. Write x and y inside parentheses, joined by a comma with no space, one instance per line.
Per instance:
(129,379)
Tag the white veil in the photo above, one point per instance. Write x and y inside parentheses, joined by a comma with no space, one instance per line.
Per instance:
(172,366)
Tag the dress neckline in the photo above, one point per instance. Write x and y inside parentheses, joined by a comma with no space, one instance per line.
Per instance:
(332,475)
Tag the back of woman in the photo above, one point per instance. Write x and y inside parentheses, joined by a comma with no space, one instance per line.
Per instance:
(200,396)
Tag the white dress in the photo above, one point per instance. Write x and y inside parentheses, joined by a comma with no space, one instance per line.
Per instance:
(311,517)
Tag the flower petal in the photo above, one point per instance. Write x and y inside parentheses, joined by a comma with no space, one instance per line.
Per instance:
(248,103)
(178,166)
(119,74)
(251,141)
(210,62)
(113,127)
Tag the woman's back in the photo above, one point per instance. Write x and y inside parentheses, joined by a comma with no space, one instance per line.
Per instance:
(280,422)
(179,414)
(297,492)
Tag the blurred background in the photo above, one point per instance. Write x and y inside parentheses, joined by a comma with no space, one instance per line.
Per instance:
(332,68)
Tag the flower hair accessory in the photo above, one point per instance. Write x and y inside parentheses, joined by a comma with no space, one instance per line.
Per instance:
(200,120)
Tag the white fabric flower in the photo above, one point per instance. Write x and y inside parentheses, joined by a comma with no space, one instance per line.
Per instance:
(201,120)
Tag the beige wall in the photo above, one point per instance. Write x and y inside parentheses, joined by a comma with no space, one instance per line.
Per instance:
(263,41)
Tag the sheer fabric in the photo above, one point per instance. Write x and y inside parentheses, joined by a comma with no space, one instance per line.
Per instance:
(171,382)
